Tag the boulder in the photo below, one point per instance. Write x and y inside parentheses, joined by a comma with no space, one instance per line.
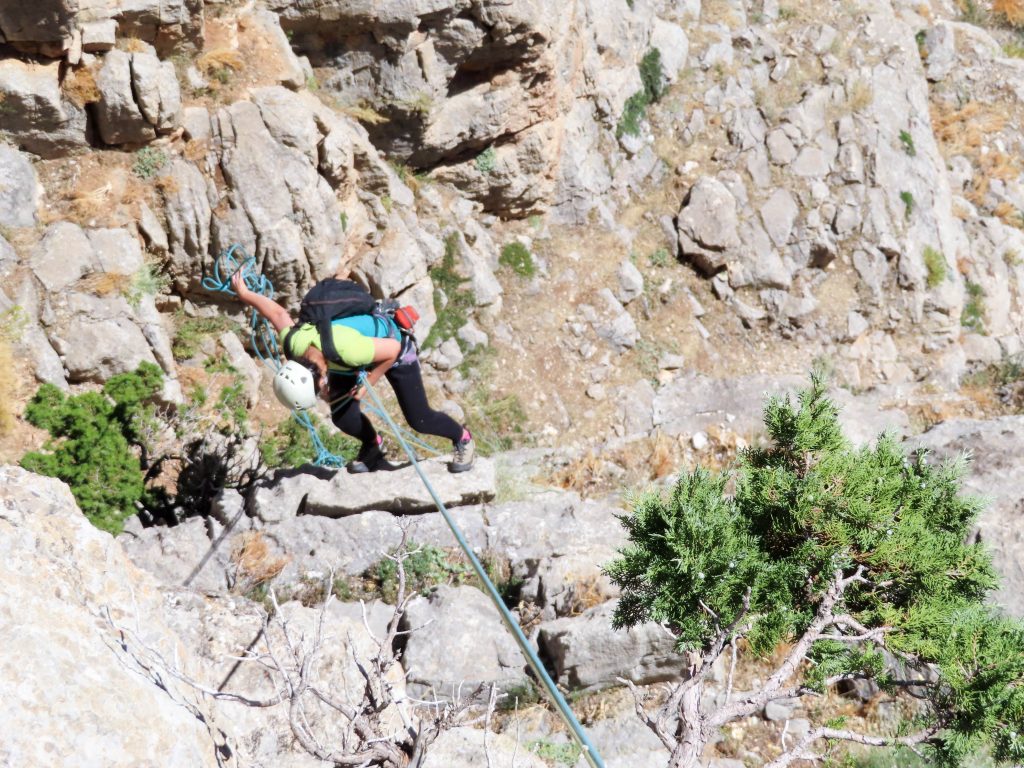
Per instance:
(47,24)
(465,748)
(278,205)
(63,256)
(994,474)
(708,224)
(34,113)
(188,208)
(170,25)
(459,617)
(80,687)
(19,189)
(139,98)
(401,491)
(587,654)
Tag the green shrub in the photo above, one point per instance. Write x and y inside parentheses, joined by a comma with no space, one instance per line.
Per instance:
(91,443)
(846,553)
(660,258)
(632,113)
(451,301)
(935,264)
(149,161)
(652,75)
(517,257)
(147,281)
(559,754)
(425,568)
(973,315)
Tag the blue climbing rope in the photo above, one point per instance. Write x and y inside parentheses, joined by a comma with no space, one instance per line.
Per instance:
(589,750)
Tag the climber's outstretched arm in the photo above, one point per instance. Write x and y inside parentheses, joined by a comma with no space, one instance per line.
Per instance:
(274,313)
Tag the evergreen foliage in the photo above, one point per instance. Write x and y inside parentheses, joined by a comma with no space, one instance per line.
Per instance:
(91,443)
(811,512)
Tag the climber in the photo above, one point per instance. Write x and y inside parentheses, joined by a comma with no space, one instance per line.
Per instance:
(363,342)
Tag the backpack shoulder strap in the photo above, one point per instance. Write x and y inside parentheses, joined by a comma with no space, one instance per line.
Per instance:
(325,328)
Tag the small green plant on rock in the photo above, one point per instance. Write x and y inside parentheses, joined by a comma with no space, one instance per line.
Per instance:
(660,258)
(192,330)
(973,315)
(558,754)
(290,444)
(908,143)
(652,76)
(908,203)
(426,567)
(486,160)
(147,281)
(149,161)
(452,301)
(517,257)
(935,264)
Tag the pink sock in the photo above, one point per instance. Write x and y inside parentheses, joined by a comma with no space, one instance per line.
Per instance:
(465,435)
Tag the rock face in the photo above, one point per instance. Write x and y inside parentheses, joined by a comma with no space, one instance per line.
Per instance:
(75,691)
(993,474)
(33,111)
(139,98)
(87,317)
(480,92)
(19,189)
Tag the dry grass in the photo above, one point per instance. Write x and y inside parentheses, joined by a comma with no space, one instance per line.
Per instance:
(362,112)
(968,131)
(80,87)
(1011,11)
(253,562)
(8,387)
(860,95)
(220,59)
(1010,214)
(90,204)
(106,283)
(132,45)
(585,594)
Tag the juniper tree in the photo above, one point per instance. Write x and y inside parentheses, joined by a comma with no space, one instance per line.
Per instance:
(856,558)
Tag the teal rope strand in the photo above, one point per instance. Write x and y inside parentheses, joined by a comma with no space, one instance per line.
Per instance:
(589,750)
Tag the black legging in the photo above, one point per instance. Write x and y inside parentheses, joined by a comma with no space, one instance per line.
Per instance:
(407,381)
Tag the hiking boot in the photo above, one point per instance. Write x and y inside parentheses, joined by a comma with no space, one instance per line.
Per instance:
(368,460)
(462,459)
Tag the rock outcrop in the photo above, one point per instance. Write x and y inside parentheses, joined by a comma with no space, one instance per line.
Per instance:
(77,690)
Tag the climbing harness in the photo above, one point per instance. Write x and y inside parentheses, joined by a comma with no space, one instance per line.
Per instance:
(589,750)
(264,342)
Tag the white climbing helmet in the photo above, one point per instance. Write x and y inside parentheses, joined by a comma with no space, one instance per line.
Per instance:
(293,385)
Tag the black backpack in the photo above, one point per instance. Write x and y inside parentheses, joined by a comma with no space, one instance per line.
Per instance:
(329,300)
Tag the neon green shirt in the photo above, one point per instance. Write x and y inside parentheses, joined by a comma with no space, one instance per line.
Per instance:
(354,349)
